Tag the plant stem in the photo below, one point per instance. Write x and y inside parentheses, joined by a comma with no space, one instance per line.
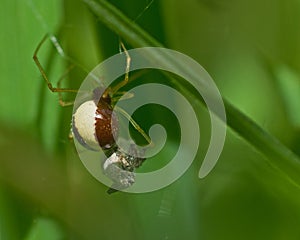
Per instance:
(278,155)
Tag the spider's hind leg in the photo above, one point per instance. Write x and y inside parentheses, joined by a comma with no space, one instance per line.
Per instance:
(57,89)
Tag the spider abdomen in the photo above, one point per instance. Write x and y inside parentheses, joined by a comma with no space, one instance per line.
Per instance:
(95,125)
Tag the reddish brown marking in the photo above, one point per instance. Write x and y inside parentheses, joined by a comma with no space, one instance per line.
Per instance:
(106,125)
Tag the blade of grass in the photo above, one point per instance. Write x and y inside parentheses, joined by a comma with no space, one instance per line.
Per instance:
(278,155)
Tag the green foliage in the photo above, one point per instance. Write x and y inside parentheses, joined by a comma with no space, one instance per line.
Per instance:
(44,229)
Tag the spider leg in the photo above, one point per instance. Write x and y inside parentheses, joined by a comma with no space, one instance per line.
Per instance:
(134,124)
(40,67)
(115,89)
(62,102)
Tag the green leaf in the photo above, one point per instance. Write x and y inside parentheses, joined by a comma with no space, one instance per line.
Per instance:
(289,86)
(46,229)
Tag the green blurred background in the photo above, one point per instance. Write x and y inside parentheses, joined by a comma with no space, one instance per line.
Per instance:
(252,51)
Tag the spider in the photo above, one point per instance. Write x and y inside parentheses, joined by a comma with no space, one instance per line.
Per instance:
(95,126)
